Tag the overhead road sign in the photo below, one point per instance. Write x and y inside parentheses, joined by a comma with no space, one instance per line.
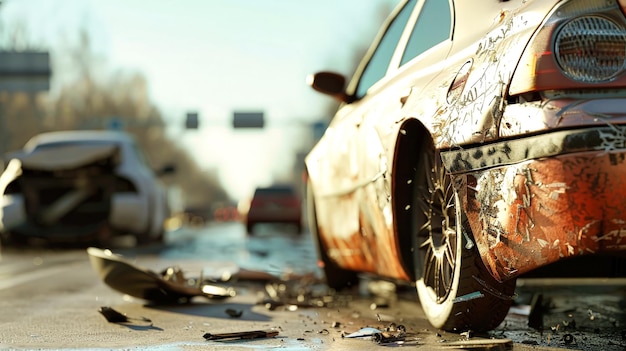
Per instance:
(25,71)
(248,120)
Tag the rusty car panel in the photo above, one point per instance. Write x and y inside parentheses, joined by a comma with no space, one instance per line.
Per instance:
(537,212)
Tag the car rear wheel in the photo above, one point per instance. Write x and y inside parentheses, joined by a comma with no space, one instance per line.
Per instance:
(336,278)
(455,289)
(13,239)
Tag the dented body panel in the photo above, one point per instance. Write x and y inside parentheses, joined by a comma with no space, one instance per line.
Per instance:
(555,194)
(536,212)
(539,172)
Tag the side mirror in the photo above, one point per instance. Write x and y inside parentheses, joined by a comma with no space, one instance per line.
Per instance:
(330,83)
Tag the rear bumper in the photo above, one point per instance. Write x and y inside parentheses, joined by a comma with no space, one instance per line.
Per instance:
(12,212)
(14,220)
(525,214)
(128,215)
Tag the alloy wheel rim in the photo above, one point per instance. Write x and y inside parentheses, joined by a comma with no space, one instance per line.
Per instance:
(437,237)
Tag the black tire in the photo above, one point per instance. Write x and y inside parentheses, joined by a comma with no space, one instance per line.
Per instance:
(12,239)
(104,236)
(455,289)
(336,277)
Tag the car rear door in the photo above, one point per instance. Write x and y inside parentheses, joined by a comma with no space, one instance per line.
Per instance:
(357,156)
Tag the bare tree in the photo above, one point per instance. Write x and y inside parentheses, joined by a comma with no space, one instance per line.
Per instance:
(91,102)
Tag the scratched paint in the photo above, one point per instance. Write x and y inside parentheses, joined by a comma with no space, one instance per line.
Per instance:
(540,211)
(531,197)
(475,115)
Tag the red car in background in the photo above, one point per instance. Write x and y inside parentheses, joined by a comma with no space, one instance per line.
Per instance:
(275,204)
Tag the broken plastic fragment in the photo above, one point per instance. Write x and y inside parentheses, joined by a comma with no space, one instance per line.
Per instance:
(384,338)
(113,316)
(234,313)
(364,333)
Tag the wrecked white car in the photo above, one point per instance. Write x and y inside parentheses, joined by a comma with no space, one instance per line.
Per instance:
(477,141)
(81,186)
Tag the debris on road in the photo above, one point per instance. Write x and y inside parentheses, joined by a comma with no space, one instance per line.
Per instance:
(388,336)
(301,292)
(253,334)
(234,313)
(537,310)
(167,287)
(478,344)
(230,271)
(113,316)
(568,339)
(367,332)
(393,333)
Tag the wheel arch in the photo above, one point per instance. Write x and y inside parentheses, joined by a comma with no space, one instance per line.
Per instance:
(411,136)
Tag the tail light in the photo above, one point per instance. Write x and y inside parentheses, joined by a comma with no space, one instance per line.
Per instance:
(293,202)
(591,49)
(581,45)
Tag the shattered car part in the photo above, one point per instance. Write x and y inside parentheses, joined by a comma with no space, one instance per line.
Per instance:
(301,291)
(384,338)
(121,275)
(393,333)
(466,153)
(367,332)
(253,334)
(389,334)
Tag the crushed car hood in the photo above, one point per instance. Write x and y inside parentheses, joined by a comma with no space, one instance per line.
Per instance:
(65,157)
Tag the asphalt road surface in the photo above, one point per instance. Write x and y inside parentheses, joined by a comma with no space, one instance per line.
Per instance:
(50,298)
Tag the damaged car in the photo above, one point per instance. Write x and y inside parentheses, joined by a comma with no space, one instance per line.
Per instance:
(73,186)
(477,141)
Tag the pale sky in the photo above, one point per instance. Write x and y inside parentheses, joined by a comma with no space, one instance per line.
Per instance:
(220,56)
